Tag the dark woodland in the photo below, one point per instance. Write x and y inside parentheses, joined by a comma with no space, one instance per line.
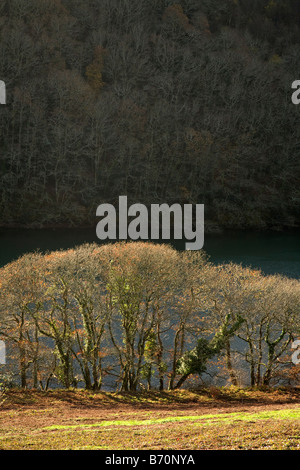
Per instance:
(169,101)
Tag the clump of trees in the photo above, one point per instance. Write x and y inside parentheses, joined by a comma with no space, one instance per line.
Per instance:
(140,315)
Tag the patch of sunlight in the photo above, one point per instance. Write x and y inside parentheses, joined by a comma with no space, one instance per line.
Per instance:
(207,419)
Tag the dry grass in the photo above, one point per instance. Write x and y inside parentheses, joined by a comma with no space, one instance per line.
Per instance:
(210,419)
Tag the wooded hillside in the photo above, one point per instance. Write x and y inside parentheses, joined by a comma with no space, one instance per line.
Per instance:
(161,100)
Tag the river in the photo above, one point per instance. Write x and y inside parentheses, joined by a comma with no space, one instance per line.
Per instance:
(271,252)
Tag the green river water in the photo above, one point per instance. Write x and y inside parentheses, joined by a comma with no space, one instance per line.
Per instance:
(271,252)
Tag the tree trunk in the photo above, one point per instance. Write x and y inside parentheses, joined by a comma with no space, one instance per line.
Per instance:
(23,367)
(181,381)
(232,375)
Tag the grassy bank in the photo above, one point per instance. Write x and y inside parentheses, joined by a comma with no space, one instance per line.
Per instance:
(211,419)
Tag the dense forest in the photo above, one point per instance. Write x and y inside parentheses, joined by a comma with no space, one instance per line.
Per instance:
(183,101)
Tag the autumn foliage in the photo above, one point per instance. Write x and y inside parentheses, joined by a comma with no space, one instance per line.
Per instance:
(139,315)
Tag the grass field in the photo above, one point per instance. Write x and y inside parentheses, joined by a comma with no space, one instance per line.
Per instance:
(182,420)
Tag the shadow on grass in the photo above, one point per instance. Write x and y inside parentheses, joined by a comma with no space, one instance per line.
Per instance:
(211,396)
